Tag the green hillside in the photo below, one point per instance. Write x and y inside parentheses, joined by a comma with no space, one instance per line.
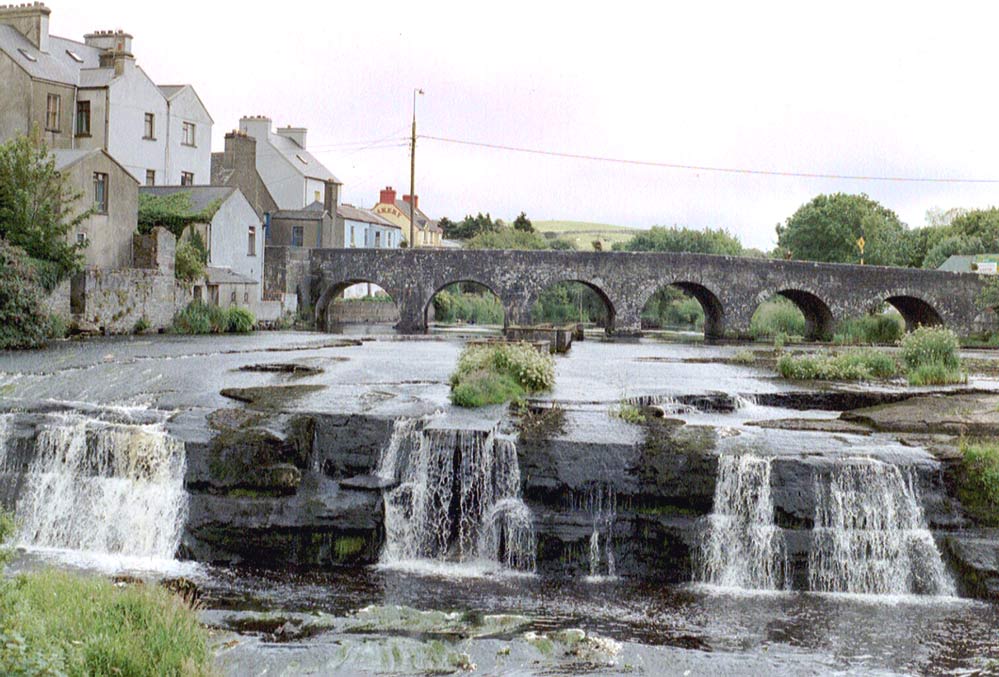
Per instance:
(583,234)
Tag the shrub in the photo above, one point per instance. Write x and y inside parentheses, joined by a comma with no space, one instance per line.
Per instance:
(935,375)
(884,328)
(506,370)
(194,319)
(240,320)
(141,325)
(628,413)
(189,265)
(777,316)
(199,318)
(931,345)
(23,324)
(744,357)
(856,365)
(978,486)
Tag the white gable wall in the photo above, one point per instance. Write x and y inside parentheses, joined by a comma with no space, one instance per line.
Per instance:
(186,107)
(131,96)
(229,240)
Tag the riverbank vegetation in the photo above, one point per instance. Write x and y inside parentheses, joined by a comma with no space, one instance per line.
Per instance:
(881,328)
(495,373)
(56,623)
(854,365)
(201,318)
(978,486)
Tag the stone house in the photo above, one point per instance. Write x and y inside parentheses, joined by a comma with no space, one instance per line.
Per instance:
(236,166)
(427,233)
(93,95)
(293,175)
(113,192)
(233,235)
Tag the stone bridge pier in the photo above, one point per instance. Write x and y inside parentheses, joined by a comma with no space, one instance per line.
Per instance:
(729,289)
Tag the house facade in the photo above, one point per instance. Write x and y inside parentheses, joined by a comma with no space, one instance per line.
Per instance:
(364,228)
(293,175)
(113,193)
(426,233)
(236,167)
(92,95)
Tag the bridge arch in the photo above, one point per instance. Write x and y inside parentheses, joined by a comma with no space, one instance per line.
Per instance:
(916,311)
(538,313)
(429,304)
(711,305)
(819,321)
(332,290)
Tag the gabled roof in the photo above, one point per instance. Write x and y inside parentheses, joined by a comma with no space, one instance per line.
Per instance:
(37,64)
(352,213)
(302,160)
(966,264)
(65,157)
(314,212)
(423,222)
(202,197)
(170,91)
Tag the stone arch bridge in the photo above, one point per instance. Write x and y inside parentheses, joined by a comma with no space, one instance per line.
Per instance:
(728,288)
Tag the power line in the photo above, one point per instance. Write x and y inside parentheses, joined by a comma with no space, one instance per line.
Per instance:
(707,168)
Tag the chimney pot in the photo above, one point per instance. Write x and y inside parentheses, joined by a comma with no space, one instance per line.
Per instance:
(387,196)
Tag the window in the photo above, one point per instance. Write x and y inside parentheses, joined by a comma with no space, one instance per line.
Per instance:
(232,298)
(149,131)
(150,177)
(246,297)
(28,55)
(74,56)
(83,118)
(186,179)
(188,139)
(53,112)
(352,237)
(251,242)
(378,239)
(301,159)
(81,239)
(318,196)
(297,236)
(101,192)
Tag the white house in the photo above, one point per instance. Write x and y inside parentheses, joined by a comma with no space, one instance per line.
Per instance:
(92,95)
(293,175)
(233,234)
(364,228)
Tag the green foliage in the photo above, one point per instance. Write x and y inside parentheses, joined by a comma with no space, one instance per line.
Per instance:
(23,324)
(454,305)
(200,318)
(561,244)
(35,201)
(978,481)
(743,357)
(778,316)
(523,223)
(934,374)
(855,365)
(173,212)
(55,623)
(676,239)
(567,302)
(507,238)
(931,346)
(6,531)
(881,328)
(141,325)
(828,227)
(989,296)
(671,307)
(189,265)
(501,372)
(628,413)
(469,227)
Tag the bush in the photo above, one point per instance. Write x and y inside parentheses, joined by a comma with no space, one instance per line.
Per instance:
(240,320)
(189,265)
(934,375)
(628,413)
(931,345)
(777,316)
(453,305)
(495,373)
(883,328)
(199,318)
(978,486)
(856,365)
(194,319)
(23,324)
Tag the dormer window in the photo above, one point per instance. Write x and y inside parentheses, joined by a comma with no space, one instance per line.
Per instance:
(27,55)
(74,56)
(302,159)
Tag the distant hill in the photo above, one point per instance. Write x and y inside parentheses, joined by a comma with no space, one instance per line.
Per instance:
(583,234)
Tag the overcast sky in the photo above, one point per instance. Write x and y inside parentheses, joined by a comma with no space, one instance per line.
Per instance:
(897,89)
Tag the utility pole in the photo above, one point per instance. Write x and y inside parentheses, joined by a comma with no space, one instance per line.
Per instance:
(412,177)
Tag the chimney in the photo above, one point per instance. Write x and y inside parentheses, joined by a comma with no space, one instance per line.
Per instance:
(109,41)
(387,197)
(257,126)
(296,134)
(31,21)
(414,198)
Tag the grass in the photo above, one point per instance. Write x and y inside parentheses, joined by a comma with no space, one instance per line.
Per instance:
(200,318)
(855,365)
(743,357)
(458,306)
(628,413)
(57,623)
(777,317)
(502,372)
(931,356)
(978,486)
(883,328)
(583,234)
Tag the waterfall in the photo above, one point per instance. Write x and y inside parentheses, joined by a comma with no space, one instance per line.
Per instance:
(742,547)
(871,535)
(602,505)
(105,488)
(458,498)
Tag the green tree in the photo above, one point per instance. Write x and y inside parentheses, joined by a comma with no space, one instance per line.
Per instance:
(828,228)
(507,238)
(23,323)
(523,223)
(35,202)
(677,239)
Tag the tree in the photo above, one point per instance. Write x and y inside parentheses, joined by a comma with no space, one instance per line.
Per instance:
(35,201)
(507,238)
(23,323)
(828,228)
(523,223)
(676,239)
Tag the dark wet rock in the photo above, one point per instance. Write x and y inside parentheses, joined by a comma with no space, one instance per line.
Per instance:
(251,458)
(971,413)
(288,367)
(814,425)
(369,483)
(349,445)
(232,419)
(828,400)
(270,398)
(975,557)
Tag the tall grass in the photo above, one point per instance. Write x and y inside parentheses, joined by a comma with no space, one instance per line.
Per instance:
(201,318)
(458,306)
(855,365)
(497,373)
(978,485)
(931,356)
(883,328)
(777,316)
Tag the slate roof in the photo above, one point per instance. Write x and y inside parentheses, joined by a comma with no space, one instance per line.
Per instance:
(40,65)
(352,213)
(311,167)
(170,91)
(217,275)
(423,222)
(963,264)
(312,212)
(202,197)
(65,157)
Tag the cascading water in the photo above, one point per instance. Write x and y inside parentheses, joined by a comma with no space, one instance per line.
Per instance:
(104,488)
(871,535)
(458,498)
(602,505)
(742,546)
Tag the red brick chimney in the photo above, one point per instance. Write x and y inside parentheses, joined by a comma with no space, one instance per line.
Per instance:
(387,196)
(414,198)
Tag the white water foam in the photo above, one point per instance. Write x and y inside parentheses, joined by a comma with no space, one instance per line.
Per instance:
(870,534)
(602,506)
